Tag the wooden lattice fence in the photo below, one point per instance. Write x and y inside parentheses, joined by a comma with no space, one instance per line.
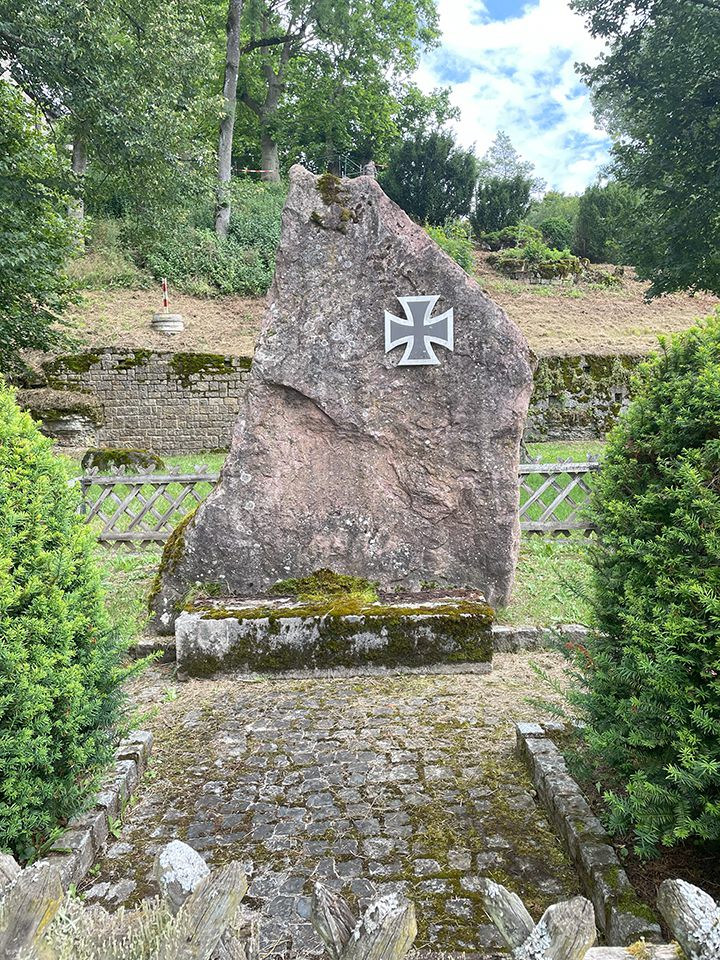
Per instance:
(142,507)
(145,507)
(553,496)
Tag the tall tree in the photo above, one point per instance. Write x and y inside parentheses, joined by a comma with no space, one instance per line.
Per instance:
(125,81)
(500,202)
(657,91)
(607,214)
(227,122)
(503,162)
(35,233)
(431,177)
(342,59)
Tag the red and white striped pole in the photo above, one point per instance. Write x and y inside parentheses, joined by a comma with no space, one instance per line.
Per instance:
(165,294)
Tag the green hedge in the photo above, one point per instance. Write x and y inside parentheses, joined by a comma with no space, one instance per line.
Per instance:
(59,662)
(651,673)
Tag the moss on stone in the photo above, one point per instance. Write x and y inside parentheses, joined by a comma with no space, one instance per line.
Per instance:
(333,194)
(129,457)
(52,405)
(457,633)
(326,585)
(171,556)
(330,188)
(188,365)
(134,358)
(76,363)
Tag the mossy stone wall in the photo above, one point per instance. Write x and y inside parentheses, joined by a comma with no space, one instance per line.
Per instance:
(164,402)
(579,397)
(188,402)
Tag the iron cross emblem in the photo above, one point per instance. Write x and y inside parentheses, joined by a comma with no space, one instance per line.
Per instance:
(419,331)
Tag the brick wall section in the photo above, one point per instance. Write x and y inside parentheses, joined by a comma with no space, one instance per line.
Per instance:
(187,403)
(166,402)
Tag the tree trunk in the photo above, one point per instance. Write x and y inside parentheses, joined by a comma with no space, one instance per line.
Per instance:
(270,161)
(227,124)
(77,204)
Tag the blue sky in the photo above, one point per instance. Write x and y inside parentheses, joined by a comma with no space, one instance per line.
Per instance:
(510,65)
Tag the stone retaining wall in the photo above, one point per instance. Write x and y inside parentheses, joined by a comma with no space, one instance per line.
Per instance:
(185,403)
(167,402)
(579,397)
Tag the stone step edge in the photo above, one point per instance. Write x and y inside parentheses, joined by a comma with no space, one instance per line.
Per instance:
(506,639)
(75,850)
(621,916)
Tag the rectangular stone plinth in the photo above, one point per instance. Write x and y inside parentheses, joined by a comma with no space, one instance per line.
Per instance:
(448,635)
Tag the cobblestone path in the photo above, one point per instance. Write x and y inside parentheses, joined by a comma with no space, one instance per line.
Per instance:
(367,784)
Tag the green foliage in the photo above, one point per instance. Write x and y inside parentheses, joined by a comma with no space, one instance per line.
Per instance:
(536,257)
(650,675)
(500,202)
(431,177)
(605,223)
(554,204)
(106,263)
(35,234)
(456,240)
(196,260)
(557,232)
(59,663)
(656,93)
(516,236)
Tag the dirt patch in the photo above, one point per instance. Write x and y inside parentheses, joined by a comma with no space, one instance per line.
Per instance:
(556,320)
(586,319)
(226,325)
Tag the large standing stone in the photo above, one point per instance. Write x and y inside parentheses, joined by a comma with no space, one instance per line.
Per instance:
(341,457)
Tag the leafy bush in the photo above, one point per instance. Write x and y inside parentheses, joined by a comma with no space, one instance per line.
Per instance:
(199,261)
(455,239)
(537,259)
(651,672)
(59,663)
(509,237)
(557,232)
(106,263)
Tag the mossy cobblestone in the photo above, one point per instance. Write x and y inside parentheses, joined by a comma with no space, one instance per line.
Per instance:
(404,783)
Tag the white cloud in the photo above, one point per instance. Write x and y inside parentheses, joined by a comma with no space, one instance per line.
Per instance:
(518,75)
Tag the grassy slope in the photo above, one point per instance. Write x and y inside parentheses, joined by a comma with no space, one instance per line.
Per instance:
(585,318)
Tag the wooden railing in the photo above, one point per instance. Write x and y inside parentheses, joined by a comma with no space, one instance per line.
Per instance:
(145,507)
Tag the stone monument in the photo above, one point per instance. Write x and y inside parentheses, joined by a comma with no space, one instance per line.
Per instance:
(381,428)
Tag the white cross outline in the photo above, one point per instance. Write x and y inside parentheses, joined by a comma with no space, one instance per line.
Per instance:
(429,339)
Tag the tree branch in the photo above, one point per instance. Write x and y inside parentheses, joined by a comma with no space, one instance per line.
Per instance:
(266,42)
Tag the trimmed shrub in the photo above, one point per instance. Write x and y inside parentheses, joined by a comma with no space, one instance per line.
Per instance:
(651,673)
(509,237)
(59,663)
(455,238)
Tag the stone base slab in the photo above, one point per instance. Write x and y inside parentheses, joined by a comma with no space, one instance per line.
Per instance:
(275,637)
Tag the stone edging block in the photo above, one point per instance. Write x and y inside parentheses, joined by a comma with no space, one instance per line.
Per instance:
(73,853)
(620,914)
(515,639)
